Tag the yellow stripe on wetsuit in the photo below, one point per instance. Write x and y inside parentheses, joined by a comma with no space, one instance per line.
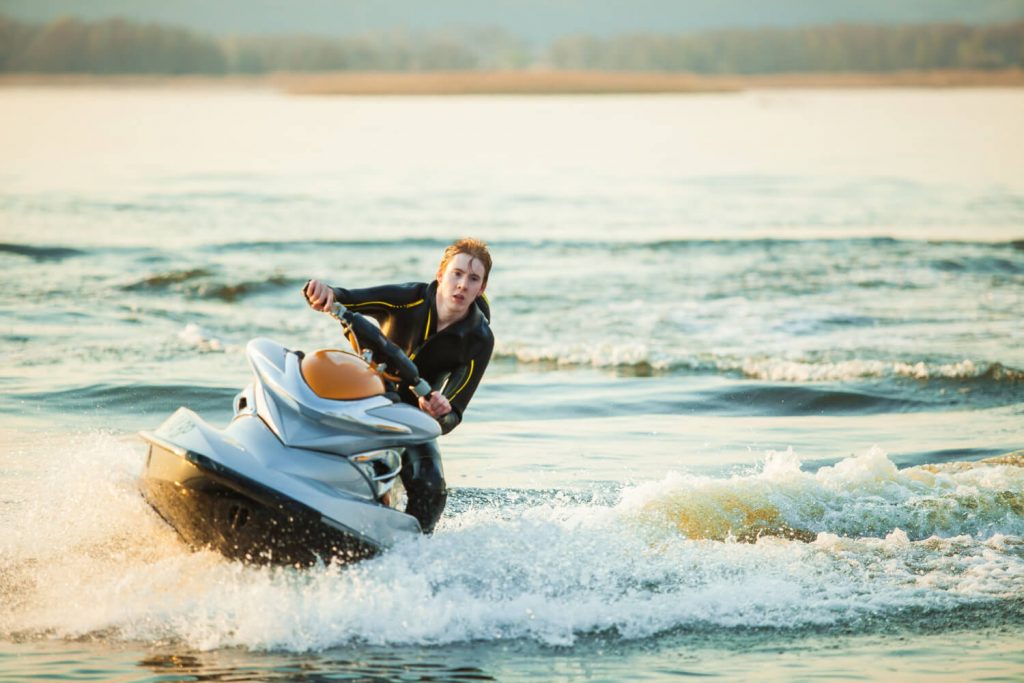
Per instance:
(384,303)
(472,363)
(426,333)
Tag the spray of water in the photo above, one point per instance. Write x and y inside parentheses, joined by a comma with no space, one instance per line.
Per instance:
(82,555)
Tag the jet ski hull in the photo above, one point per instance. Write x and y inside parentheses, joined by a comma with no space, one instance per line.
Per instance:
(210,506)
(294,478)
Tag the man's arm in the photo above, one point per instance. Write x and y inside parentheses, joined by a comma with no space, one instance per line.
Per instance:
(383,298)
(461,384)
(380,299)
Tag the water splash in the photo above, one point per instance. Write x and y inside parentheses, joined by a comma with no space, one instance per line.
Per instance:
(862,496)
(83,555)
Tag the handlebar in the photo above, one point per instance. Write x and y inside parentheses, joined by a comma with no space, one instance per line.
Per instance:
(374,339)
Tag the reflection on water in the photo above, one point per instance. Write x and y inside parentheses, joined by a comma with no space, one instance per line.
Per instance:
(933,652)
(370,666)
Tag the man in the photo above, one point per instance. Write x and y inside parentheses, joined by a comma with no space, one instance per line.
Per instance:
(444,329)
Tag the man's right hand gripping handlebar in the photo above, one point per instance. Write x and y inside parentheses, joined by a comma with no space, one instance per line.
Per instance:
(319,295)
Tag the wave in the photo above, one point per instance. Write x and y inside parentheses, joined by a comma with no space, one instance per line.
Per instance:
(639,360)
(776,548)
(772,387)
(573,396)
(317,245)
(197,282)
(40,253)
(233,291)
(722,399)
(785,400)
(680,244)
(862,496)
(1000,259)
(979,264)
(134,398)
(167,279)
(796,371)
(555,401)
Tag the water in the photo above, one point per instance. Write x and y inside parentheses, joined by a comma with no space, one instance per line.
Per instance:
(751,353)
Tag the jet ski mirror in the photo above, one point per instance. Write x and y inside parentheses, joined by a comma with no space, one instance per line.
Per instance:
(390,355)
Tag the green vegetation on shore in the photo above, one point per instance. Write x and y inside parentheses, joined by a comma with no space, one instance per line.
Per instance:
(117,46)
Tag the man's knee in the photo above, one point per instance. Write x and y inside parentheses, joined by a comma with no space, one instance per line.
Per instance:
(422,467)
(430,482)
(423,478)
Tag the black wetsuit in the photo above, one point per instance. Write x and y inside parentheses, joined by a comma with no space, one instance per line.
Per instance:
(452,361)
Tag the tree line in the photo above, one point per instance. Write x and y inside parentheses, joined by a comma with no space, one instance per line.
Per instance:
(852,48)
(118,46)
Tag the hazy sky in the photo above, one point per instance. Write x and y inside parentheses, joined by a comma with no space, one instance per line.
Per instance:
(533,19)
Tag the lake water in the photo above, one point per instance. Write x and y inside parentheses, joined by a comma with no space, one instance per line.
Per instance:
(745,343)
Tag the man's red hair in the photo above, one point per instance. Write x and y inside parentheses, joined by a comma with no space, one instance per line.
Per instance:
(474,247)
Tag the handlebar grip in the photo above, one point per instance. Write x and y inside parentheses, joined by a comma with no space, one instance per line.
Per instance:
(374,339)
(422,388)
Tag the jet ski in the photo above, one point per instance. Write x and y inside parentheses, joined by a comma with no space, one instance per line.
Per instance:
(306,470)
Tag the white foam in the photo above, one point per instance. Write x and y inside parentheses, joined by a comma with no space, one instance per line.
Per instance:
(783,370)
(606,355)
(84,555)
(195,335)
(865,495)
(670,355)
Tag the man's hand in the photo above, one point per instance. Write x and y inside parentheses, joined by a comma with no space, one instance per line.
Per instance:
(435,404)
(319,295)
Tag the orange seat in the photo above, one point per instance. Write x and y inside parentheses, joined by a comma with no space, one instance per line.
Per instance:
(340,375)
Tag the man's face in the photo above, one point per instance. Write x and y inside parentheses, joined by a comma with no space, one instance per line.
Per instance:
(461,282)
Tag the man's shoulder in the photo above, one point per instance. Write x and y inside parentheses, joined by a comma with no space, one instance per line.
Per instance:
(484,306)
(416,291)
(481,324)
(403,295)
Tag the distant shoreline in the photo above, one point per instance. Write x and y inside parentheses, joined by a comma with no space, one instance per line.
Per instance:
(527,82)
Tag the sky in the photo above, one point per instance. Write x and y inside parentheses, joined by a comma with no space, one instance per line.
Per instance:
(534,20)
